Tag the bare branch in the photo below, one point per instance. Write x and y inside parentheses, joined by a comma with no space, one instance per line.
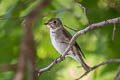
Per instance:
(91,27)
(88,28)
(117,74)
(98,65)
(48,67)
(114,30)
(71,28)
(84,10)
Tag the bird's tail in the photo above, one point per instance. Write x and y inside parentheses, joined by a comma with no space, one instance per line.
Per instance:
(81,61)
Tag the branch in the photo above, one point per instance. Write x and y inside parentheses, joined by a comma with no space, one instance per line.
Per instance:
(88,28)
(84,10)
(48,67)
(98,65)
(117,74)
(114,30)
(91,27)
(71,28)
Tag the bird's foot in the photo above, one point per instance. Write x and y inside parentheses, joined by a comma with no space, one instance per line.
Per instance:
(56,60)
(62,58)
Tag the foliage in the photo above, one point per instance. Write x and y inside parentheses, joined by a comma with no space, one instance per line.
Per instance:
(97,45)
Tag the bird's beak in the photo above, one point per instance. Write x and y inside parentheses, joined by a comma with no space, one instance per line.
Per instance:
(45,23)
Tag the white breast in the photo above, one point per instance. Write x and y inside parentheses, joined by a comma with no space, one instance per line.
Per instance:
(52,36)
(57,41)
(54,43)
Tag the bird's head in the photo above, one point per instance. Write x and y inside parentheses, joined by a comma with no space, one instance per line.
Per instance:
(54,23)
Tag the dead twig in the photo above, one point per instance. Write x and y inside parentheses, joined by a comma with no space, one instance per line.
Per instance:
(117,74)
(114,30)
(71,28)
(84,10)
(98,65)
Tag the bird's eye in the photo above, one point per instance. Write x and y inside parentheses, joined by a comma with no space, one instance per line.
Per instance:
(54,22)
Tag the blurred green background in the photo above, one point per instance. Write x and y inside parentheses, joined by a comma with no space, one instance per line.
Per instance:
(97,45)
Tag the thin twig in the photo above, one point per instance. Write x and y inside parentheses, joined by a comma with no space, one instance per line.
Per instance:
(48,67)
(114,30)
(71,28)
(88,28)
(117,74)
(98,65)
(84,10)
(91,27)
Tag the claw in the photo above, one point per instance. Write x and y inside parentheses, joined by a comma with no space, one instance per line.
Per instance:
(62,58)
(56,60)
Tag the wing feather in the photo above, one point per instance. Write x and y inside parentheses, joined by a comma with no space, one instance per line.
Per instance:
(69,36)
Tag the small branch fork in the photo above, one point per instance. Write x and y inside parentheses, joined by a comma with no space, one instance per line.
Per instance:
(88,28)
(99,65)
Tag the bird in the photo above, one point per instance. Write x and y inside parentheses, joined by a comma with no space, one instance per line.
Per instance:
(60,39)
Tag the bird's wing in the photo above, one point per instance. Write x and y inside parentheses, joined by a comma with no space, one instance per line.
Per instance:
(68,36)
(81,53)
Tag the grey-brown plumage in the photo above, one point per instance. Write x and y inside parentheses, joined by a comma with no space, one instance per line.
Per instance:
(60,39)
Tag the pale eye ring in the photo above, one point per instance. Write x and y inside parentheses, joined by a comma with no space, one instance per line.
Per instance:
(54,22)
